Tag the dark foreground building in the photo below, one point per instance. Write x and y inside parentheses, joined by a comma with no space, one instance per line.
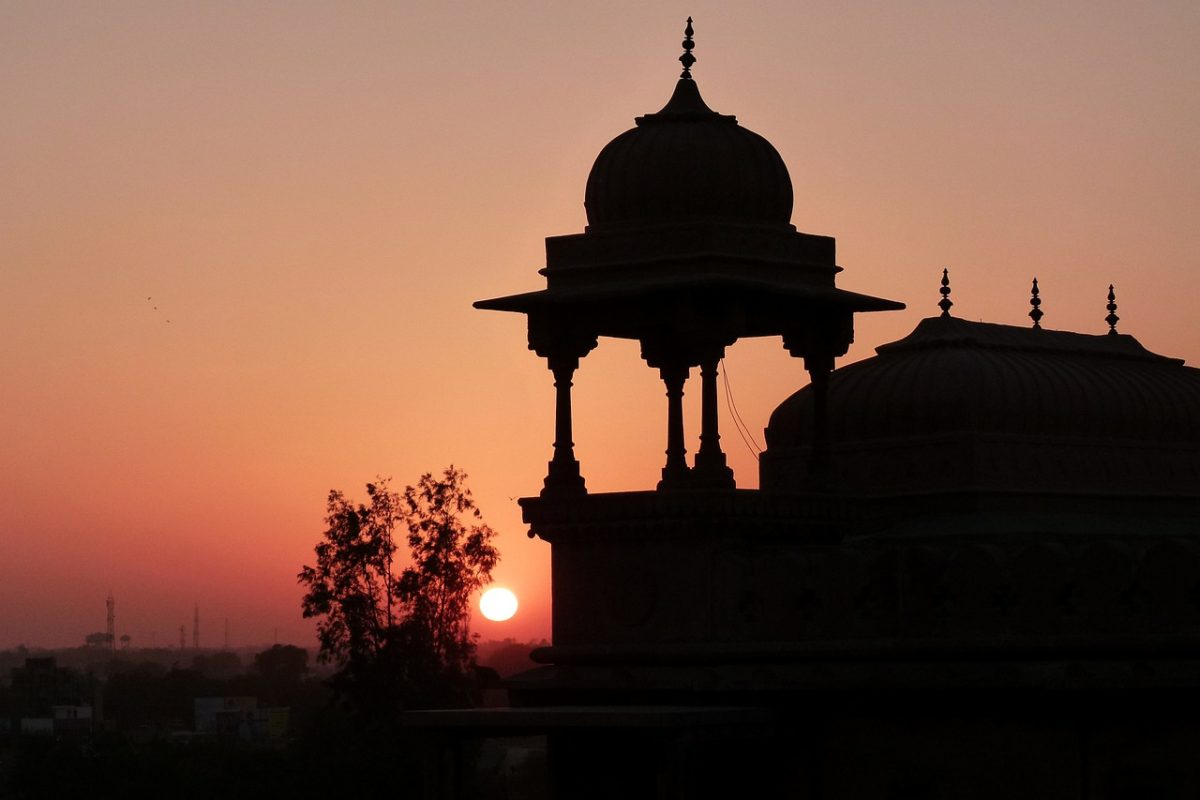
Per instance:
(972,569)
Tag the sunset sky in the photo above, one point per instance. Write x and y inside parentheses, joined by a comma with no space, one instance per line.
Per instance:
(239,244)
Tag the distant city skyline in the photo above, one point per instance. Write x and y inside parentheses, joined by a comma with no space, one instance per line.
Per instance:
(313,196)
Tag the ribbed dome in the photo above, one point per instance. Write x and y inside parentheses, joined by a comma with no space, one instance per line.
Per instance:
(960,403)
(688,162)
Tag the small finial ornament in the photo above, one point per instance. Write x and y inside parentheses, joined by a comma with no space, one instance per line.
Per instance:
(945,303)
(1036,314)
(687,59)
(1112,319)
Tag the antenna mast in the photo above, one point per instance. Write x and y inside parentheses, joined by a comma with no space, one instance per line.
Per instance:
(111,618)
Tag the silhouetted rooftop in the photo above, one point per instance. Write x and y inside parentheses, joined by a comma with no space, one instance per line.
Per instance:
(960,404)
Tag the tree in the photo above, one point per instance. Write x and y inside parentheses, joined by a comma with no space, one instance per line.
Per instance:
(282,663)
(452,559)
(400,637)
(352,588)
(222,664)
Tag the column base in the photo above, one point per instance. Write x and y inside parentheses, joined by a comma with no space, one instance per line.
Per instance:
(712,478)
(711,471)
(675,478)
(563,478)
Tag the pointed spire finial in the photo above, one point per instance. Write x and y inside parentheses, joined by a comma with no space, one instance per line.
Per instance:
(687,59)
(1112,319)
(945,303)
(1036,314)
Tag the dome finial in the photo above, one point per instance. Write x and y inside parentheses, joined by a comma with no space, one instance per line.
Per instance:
(1036,314)
(945,303)
(687,59)
(1112,319)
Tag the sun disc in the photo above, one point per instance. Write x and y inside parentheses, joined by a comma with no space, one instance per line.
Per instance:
(498,604)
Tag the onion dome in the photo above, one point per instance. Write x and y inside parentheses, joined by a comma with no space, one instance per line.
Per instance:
(688,162)
(965,405)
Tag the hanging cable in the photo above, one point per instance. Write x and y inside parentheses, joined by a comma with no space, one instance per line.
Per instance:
(737,426)
(742,428)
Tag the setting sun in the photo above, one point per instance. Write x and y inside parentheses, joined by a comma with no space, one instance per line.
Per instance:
(498,604)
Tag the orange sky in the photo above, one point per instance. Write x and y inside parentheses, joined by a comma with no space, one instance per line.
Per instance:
(314,194)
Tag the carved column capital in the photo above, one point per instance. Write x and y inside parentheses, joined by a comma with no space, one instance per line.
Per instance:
(821,337)
(559,339)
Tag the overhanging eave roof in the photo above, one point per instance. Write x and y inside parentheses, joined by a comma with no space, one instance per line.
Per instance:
(613,297)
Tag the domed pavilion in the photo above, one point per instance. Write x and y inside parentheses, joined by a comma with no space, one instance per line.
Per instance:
(688,248)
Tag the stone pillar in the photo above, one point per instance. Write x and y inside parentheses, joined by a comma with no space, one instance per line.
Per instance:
(710,471)
(562,475)
(819,339)
(676,472)
(821,455)
(562,345)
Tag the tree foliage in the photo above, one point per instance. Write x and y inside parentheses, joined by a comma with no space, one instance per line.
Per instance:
(283,664)
(452,558)
(351,589)
(400,635)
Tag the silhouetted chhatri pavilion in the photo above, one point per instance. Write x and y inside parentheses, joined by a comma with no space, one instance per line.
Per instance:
(973,565)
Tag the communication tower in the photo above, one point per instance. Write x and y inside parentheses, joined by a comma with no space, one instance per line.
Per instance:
(111,618)
(196,627)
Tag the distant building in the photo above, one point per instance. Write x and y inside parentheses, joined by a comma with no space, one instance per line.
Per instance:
(37,726)
(241,718)
(223,715)
(41,686)
(72,720)
(271,725)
